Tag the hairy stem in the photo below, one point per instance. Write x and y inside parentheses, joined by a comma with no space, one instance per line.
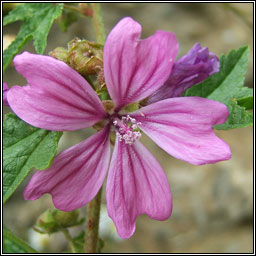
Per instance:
(92,225)
(98,23)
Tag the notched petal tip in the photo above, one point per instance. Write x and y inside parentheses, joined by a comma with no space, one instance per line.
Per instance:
(19,57)
(127,21)
(134,68)
(136,185)
(56,98)
(183,127)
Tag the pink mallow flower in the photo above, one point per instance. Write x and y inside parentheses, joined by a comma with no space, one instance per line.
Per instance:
(58,98)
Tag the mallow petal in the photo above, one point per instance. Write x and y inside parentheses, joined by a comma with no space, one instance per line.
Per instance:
(136,185)
(5,91)
(56,97)
(191,69)
(76,174)
(182,126)
(136,68)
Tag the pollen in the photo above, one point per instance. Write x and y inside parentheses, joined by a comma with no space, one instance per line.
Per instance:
(127,129)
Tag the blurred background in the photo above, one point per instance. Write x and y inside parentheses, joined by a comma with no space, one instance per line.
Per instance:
(213,204)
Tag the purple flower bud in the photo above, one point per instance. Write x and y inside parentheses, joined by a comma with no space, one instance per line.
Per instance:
(189,70)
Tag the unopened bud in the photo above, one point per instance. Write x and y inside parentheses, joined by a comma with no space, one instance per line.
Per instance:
(66,219)
(101,78)
(53,220)
(85,56)
(59,53)
(73,42)
(46,223)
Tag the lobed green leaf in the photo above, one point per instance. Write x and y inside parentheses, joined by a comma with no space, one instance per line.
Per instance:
(245,98)
(37,20)
(24,147)
(238,118)
(227,86)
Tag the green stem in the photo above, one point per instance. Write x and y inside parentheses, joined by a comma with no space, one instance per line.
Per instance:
(69,238)
(92,225)
(98,23)
(71,8)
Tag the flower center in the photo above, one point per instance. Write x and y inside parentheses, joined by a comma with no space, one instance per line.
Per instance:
(127,129)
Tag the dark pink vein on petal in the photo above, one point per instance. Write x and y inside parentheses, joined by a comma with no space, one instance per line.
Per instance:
(78,168)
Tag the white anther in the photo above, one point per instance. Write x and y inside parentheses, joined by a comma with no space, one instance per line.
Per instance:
(134,126)
(137,135)
(126,130)
(129,133)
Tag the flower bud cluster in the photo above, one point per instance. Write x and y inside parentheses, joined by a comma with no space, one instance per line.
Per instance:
(53,220)
(82,55)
